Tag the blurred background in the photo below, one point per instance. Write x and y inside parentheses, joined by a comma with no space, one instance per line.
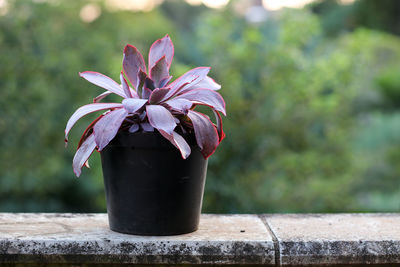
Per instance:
(312,91)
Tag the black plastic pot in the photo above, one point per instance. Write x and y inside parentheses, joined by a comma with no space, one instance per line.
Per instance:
(150,189)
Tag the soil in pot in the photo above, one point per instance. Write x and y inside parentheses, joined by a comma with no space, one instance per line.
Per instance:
(150,189)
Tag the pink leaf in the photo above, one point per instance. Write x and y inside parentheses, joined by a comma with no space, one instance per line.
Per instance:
(132,63)
(157,95)
(179,142)
(179,104)
(107,127)
(103,81)
(206,135)
(132,105)
(160,48)
(125,86)
(205,97)
(82,154)
(86,109)
(159,72)
(186,79)
(160,118)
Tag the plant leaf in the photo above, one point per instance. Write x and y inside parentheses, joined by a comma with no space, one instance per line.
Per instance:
(179,142)
(125,86)
(207,83)
(147,127)
(160,48)
(134,128)
(132,105)
(132,63)
(88,131)
(205,97)
(157,95)
(86,109)
(107,127)
(164,81)
(82,154)
(103,81)
(146,93)
(179,104)
(141,80)
(160,118)
(186,79)
(148,83)
(220,131)
(100,97)
(206,134)
(159,72)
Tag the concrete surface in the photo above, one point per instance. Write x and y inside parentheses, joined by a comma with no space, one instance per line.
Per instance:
(336,238)
(271,239)
(85,238)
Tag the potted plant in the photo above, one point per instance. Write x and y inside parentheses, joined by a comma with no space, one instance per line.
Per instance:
(154,145)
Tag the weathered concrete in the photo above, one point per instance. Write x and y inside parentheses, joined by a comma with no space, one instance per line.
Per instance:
(282,239)
(86,238)
(336,238)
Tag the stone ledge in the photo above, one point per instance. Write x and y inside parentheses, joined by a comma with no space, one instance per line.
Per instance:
(85,238)
(326,239)
(275,239)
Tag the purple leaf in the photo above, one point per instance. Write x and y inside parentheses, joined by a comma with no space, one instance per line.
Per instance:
(205,97)
(179,104)
(207,83)
(160,118)
(82,154)
(160,48)
(134,94)
(107,127)
(100,97)
(132,105)
(142,115)
(142,76)
(157,95)
(103,81)
(86,109)
(159,72)
(88,131)
(132,63)
(179,142)
(206,135)
(147,127)
(134,128)
(148,83)
(218,118)
(125,86)
(186,79)
(164,81)
(146,93)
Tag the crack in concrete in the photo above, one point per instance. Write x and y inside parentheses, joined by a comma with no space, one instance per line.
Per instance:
(274,239)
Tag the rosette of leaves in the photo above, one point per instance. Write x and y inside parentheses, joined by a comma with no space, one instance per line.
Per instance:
(152,102)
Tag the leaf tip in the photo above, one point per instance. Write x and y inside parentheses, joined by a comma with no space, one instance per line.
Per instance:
(77,172)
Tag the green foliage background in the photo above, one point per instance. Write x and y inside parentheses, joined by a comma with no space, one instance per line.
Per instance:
(313,115)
